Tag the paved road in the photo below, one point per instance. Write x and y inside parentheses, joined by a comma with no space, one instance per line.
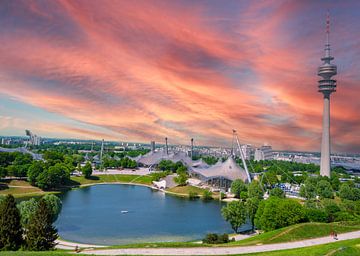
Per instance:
(222,250)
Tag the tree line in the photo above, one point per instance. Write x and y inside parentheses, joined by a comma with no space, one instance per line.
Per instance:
(278,211)
(29,225)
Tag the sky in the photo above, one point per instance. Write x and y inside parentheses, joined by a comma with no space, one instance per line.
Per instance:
(145,70)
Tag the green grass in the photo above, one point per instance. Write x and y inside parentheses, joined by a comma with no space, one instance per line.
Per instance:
(341,248)
(293,233)
(126,178)
(299,232)
(27,253)
(186,189)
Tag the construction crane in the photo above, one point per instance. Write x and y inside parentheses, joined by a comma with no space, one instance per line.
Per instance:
(236,138)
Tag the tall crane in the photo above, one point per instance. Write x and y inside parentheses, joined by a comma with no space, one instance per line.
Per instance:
(236,138)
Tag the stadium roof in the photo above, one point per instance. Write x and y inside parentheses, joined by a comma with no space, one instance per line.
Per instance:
(153,158)
(228,170)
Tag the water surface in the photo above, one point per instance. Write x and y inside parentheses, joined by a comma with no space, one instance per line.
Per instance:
(93,215)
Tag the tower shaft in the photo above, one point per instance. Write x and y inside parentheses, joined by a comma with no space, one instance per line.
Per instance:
(327,85)
(325,142)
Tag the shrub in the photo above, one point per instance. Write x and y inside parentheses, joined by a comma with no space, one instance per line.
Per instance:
(193,195)
(87,170)
(316,215)
(238,186)
(207,195)
(216,239)
(277,192)
(276,213)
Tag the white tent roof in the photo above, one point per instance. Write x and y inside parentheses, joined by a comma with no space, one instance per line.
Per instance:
(152,158)
(200,164)
(228,169)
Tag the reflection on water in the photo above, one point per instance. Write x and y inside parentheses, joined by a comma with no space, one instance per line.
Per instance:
(94,215)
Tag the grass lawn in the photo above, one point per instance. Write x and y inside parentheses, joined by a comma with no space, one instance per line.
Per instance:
(341,248)
(299,232)
(288,234)
(186,189)
(48,253)
(24,188)
(126,178)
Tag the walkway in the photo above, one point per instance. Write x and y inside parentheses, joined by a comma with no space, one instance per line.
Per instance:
(222,250)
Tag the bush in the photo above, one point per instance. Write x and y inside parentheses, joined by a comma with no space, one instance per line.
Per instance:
(193,195)
(87,170)
(344,216)
(237,187)
(181,179)
(156,176)
(316,215)
(207,195)
(277,192)
(276,213)
(331,209)
(216,239)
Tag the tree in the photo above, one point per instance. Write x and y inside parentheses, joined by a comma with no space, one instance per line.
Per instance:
(10,225)
(349,193)
(331,209)
(207,195)
(308,189)
(238,186)
(40,234)
(276,213)
(87,170)
(53,177)
(252,204)
(27,210)
(316,215)
(255,190)
(324,189)
(181,179)
(34,171)
(277,192)
(235,213)
(54,203)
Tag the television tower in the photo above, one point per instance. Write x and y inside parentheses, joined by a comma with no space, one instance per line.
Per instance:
(326,87)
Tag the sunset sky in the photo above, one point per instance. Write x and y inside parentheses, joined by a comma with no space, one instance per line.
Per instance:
(143,70)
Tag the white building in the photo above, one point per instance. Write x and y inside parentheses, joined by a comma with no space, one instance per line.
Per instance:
(246,150)
(34,139)
(263,153)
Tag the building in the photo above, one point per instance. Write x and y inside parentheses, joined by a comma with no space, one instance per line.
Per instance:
(152,146)
(327,85)
(263,153)
(246,150)
(33,138)
(220,175)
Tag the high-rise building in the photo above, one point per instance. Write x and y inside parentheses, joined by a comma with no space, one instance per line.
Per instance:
(326,87)
(33,138)
(263,153)
(246,150)
(152,146)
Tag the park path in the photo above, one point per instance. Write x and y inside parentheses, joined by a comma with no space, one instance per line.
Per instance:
(223,250)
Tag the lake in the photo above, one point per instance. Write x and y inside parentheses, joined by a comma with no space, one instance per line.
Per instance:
(94,215)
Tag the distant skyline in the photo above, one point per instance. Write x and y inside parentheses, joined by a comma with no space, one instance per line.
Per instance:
(145,70)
